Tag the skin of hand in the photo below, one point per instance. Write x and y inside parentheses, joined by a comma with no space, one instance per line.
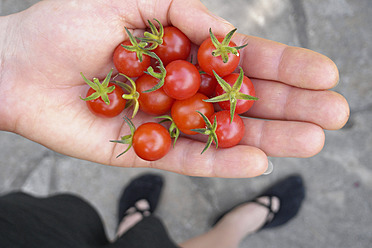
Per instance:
(44,49)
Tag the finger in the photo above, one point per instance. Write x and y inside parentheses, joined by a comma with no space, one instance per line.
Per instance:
(284,138)
(295,66)
(280,138)
(185,158)
(279,101)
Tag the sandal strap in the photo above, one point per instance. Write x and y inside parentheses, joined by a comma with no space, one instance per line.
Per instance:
(268,206)
(136,210)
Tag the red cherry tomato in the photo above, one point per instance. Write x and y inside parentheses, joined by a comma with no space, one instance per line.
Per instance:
(246,88)
(185,116)
(210,63)
(182,80)
(155,102)
(126,62)
(100,108)
(151,141)
(208,83)
(175,46)
(228,134)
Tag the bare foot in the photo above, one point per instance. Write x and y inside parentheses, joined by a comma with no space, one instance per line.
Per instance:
(133,216)
(248,217)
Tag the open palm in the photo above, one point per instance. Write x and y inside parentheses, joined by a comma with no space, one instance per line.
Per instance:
(52,42)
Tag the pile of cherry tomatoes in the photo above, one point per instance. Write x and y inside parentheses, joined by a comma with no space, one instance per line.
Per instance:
(162,80)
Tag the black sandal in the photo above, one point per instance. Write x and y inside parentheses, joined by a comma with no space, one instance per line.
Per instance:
(290,192)
(145,187)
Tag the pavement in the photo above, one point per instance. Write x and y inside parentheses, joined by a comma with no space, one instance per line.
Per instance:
(337,208)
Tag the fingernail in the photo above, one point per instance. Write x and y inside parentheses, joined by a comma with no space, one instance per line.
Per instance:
(270,168)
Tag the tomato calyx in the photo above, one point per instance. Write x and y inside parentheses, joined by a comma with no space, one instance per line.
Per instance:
(155,37)
(158,75)
(209,130)
(222,48)
(139,48)
(231,94)
(132,96)
(102,89)
(173,129)
(127,139)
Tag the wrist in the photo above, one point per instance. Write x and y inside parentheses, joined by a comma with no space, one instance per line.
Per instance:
(3,26)
(5,72)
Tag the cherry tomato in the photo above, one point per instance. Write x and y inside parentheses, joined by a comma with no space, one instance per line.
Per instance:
(228,134)
(126,62)
(185,116)
(182,80)
(246,88)
(151,141)
(175,46)
(208,83)
(100,108)
(210,63)
(155,102)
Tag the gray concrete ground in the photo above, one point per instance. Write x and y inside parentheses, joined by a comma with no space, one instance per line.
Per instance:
(337,210)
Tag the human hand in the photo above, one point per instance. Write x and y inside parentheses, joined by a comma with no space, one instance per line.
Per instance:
(47,46)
